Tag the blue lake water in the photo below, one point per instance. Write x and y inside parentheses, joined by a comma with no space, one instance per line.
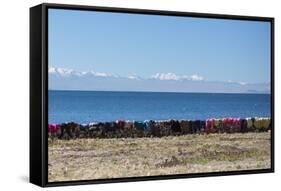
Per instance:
(90,106)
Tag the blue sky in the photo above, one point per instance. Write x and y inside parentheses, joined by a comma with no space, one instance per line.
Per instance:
(126,44)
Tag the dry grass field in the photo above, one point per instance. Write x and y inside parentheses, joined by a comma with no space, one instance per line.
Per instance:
(84,159)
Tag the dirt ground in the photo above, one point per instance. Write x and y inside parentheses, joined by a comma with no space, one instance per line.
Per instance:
(84,159)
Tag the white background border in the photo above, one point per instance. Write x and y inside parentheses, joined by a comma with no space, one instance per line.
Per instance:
(14,94)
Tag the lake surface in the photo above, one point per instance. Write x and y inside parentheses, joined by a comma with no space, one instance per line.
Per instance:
(90,106)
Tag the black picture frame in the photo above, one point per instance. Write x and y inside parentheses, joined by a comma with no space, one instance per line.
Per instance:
(39,92)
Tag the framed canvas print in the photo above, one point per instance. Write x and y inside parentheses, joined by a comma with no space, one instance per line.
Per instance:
(129,94)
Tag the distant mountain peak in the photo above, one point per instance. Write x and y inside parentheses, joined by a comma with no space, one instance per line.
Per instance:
(69,79)
(71,72)
(61,71)
(173,76)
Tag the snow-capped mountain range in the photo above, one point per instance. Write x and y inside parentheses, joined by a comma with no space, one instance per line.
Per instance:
(160,76)
(69,79)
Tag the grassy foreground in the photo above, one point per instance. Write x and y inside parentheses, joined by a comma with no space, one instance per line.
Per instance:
(84,159)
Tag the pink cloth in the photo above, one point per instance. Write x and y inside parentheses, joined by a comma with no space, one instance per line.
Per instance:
(53,128)
(210,125)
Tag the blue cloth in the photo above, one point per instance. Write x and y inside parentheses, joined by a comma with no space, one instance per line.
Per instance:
(140,125)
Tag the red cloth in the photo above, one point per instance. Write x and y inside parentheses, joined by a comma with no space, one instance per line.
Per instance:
(231,124)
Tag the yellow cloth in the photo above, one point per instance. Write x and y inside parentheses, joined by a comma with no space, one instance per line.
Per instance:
(262,123)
